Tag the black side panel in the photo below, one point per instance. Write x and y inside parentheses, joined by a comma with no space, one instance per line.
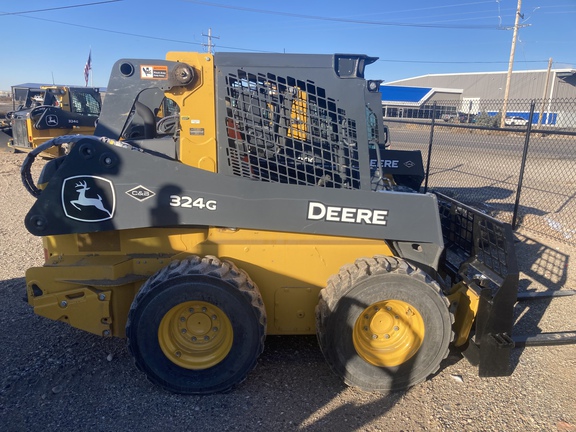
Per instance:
(405,167)
(56,118)
(128,80)
(101,187)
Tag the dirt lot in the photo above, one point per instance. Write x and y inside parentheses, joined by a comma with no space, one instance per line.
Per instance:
(56,378)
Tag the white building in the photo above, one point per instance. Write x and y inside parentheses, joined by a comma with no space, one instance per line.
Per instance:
(484,91)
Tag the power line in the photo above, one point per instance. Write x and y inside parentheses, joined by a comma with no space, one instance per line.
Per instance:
(457,62)
(232,47)
(454,13)
(138,35)
(59,8)
(441,7)
(266,51)
(346,20)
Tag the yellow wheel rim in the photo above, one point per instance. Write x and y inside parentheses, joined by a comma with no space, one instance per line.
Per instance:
(388,333)
(195,335)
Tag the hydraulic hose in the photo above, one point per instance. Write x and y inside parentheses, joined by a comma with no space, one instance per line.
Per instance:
(26,172)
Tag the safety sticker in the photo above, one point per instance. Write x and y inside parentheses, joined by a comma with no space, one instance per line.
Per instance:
(154,72)
(196,131)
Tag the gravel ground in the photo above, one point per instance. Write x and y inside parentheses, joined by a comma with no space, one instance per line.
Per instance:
(56,378)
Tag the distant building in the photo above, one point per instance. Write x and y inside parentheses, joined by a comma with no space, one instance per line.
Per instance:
(471,93)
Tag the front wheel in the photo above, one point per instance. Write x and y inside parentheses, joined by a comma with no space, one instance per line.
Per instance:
(197,326)
(383,324)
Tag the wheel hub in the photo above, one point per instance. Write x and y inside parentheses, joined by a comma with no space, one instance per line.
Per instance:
(198,323)
(195,335)
(388,333)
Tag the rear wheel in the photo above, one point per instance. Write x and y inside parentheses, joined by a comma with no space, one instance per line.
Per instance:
(383,324)
(197,326)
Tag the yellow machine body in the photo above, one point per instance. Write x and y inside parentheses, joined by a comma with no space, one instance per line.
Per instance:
(93,291)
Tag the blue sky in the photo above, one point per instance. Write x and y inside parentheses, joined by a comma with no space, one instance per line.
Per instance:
(411,37)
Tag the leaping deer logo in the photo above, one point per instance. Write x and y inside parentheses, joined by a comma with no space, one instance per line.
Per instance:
(81,188)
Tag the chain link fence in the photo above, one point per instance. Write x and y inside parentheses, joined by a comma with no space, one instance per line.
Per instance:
(519,167)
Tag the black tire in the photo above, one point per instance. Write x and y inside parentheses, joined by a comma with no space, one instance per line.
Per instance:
(186,304)
(347,316)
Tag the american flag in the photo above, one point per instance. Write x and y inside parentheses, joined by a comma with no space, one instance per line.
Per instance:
(88,68)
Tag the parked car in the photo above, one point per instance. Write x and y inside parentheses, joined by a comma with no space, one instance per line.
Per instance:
(515,121)
(467,118)
(459,118)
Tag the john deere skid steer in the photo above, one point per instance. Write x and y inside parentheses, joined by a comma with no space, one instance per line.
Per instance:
(53,111)
(229,197)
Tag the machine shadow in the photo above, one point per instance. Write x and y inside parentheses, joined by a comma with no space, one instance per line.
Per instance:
(543,274)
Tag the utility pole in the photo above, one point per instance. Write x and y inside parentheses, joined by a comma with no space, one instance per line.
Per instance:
(209,44)
(541,115)
(511,63)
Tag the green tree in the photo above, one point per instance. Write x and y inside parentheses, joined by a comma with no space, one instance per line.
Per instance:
(487,120)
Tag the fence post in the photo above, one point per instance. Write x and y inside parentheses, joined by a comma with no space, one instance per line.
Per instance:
(430,146)
(523,165)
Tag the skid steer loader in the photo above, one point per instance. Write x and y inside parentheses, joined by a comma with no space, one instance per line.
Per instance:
(53,111)
(228,197)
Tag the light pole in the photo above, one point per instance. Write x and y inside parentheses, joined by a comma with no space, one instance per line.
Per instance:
(511,64)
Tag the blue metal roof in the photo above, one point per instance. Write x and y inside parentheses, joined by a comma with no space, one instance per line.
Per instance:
(403,94)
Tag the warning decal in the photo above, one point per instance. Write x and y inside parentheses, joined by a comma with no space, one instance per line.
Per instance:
(153,72)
